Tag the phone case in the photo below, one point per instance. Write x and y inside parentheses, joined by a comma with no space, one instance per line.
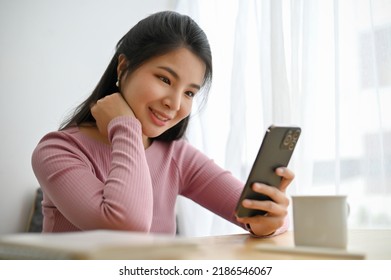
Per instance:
(276,150)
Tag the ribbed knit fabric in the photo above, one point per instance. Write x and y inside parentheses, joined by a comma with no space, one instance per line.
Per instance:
(91,185)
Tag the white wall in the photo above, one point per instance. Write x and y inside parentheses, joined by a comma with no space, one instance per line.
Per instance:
(52,54)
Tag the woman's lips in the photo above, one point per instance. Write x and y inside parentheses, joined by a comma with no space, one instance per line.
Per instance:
(159,118)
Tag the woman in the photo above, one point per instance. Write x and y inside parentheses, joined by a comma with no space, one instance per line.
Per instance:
(119,162)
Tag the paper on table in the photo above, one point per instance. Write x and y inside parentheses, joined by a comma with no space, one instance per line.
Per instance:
(100,244)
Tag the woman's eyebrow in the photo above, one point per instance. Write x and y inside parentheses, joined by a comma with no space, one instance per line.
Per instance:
(176,76)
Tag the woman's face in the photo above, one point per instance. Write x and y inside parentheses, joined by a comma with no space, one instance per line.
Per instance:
(160,92)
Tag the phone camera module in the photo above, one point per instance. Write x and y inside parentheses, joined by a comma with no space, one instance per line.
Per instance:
(296,135)
(290,140)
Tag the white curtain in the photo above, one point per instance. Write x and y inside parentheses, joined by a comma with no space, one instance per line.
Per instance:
(322,65)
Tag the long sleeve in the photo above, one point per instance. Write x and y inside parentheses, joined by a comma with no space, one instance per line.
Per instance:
(207,183)
(211,186)
(73,181)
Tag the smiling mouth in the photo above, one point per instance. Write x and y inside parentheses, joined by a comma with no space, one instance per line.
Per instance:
(159,116)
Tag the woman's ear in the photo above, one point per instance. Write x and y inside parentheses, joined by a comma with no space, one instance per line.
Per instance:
(122,65)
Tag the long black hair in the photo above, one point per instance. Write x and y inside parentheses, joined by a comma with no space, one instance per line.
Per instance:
(156,35)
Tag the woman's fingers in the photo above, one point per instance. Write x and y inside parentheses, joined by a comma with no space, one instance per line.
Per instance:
(275,194)
(287,177)
(108,108)
(276,208)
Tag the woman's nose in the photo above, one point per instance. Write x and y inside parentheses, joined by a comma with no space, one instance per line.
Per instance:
(173,101)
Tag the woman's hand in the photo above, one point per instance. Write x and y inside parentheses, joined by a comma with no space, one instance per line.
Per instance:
(276,208)
(108,108)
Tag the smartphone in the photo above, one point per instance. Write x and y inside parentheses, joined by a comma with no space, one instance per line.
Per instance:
(276,151)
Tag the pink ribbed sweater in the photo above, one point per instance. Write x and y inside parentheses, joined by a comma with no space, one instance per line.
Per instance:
(90,185)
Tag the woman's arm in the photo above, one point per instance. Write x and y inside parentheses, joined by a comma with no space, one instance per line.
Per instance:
(123,201)
(219,191)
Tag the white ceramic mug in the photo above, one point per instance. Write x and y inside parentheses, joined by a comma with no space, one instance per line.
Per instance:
(320,221)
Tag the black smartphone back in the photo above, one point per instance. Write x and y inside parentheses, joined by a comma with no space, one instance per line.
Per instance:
(276,150)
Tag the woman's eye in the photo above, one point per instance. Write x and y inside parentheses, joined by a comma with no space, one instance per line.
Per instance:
(190,94)
(165,80)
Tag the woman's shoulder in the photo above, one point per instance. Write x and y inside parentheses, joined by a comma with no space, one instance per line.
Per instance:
(65,135)
(69,139)
(54,145)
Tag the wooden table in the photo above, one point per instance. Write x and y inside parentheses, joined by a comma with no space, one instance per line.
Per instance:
(362,244)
